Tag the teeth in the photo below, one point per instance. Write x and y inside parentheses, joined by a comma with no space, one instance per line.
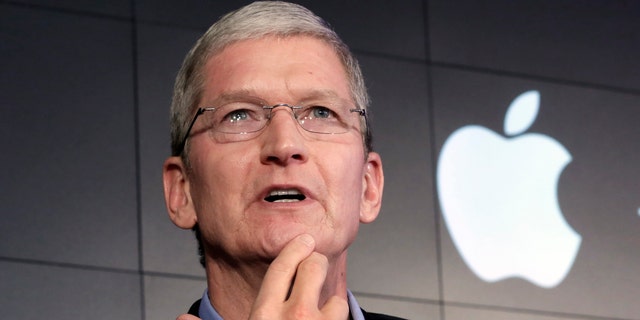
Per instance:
(285,195)
(284,192)
(287,200)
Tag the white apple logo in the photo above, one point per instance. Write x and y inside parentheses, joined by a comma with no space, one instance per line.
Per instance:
(499,199)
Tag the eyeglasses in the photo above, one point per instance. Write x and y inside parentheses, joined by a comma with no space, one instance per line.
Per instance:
(235,121)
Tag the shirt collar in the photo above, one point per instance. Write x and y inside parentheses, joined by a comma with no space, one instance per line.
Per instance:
(208,312)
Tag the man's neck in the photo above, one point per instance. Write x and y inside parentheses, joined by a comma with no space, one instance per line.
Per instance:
(233,289)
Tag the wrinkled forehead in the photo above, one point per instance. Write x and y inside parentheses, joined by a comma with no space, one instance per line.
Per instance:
(298,65)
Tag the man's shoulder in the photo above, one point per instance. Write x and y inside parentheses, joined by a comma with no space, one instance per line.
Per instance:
(379,316)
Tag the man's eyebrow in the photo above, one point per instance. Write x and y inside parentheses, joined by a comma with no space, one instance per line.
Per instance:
(234,96)
(323,94)
(248,95)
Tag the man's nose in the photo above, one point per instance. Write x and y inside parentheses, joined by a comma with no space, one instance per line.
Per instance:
(283,142)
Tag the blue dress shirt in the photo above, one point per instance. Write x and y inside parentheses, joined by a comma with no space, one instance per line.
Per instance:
(207,312)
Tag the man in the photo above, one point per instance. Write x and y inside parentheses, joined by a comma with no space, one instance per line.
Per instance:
(272,165)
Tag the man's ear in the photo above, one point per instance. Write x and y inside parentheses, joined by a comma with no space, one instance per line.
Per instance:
(373,184)
(177,194)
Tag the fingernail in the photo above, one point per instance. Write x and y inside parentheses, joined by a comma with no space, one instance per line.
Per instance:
(307,239)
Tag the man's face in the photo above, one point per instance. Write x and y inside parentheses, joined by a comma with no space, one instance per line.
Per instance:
(230,182)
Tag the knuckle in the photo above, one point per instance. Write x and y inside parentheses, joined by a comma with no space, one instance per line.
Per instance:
(300,312)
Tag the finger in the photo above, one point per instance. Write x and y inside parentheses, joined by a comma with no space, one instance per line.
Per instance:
(277,280)
(309,281)
(187,317)
(335,308)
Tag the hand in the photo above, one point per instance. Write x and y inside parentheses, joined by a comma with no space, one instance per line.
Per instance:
(187,317)
(292,285)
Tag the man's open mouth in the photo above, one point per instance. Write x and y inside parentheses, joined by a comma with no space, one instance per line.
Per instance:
(285,195)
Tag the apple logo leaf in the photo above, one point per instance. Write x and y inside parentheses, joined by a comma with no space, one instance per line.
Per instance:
(522,113)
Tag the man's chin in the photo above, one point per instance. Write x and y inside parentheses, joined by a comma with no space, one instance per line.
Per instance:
(275,243)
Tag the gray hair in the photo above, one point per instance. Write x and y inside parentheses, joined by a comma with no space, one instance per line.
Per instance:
(254,21)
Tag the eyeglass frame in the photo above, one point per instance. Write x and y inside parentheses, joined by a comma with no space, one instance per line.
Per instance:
(201,110)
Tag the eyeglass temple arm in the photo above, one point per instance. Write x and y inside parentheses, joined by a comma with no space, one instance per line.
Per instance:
(186,135)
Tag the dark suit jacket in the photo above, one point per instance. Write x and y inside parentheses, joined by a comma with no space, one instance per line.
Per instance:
(367,315)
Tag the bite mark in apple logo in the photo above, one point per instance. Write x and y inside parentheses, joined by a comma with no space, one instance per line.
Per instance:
(499,199)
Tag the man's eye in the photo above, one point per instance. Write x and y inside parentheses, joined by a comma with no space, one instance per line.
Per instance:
(237,116)
(320,112)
